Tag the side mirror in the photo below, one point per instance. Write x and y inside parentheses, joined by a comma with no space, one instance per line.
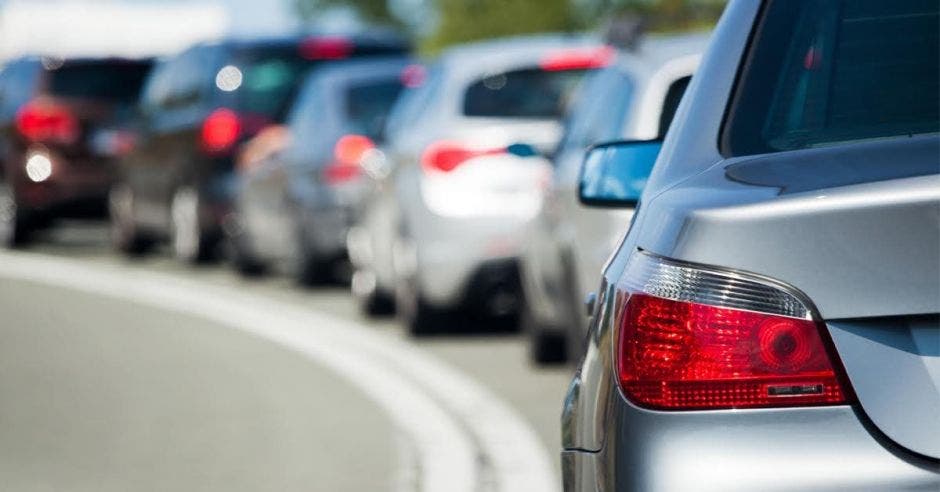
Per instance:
(614,174)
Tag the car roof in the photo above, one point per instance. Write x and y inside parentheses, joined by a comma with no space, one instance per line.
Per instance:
(360,68)
(504,53)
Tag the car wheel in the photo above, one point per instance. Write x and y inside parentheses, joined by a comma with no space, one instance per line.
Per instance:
(418,317)
(246,263)
(188,239)
(373,302)
(14,226)
(125,236)
(546,346)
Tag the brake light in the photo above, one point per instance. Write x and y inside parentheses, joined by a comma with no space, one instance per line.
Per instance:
(445,156)
(699,339)
(413,76)
(326,48)
(220,131)
(348,154)
(578,59)
(43,121)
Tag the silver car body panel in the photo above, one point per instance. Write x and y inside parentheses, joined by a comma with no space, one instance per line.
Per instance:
(857,250)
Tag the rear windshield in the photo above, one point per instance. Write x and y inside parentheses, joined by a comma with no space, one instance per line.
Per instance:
(111,81)
(368,105)
(820,72)
(270,80)
(528,93)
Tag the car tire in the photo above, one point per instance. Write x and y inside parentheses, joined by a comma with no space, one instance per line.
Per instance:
(15,227)
(189,240)
(246,264)
(125,235)
(546,346)
(313,271)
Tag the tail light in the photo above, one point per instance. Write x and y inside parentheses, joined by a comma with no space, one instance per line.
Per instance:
(578,59)
(326,48)
(347,159)
(697,339)
(446,156)
(46,121)
(220,131)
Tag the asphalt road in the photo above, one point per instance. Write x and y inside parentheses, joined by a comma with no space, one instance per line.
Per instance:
(147,375)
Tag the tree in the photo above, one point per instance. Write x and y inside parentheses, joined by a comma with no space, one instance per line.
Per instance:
(469,20)
(370,11)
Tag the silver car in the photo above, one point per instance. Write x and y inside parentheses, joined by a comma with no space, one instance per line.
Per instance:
(770,321)
(303,184)
(633,99)
(454,198)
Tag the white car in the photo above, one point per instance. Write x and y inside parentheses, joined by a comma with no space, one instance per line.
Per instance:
(455,192)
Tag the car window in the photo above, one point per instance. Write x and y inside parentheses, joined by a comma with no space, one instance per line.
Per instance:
(269,80)
(368,104)
(18,86)
(671,103)
(416,100)
(526,93)
(119,81)
(599,110)
(820,72)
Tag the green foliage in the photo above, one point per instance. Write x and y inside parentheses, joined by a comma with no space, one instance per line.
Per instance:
(460,21)
(371,11)
(470,20)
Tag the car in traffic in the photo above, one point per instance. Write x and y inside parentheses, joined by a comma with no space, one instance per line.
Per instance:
(770,321)
(303,186)
(634,98)
(197,110)
(445,227)
(61,128)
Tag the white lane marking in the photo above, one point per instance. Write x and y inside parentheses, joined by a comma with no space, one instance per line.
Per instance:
(422,395)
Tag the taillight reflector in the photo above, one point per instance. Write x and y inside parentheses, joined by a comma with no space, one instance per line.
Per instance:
(691,339)
(446,156)
(578,59)
(46,121)
(220,131)
(348,154)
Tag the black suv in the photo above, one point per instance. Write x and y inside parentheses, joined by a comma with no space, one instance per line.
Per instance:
(197,110)
(60,131)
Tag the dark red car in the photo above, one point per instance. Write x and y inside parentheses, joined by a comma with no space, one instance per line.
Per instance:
(60,132)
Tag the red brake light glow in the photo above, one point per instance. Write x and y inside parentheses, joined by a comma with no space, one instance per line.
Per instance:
(220,131)
(413,76)
(578,59)
(44,121)
(348,155)
(445,156)
(326,48)
(692,339)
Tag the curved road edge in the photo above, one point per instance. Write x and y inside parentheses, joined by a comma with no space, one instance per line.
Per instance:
(464,437)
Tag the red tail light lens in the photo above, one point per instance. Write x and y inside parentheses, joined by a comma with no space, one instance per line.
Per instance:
(326,48)
(46,121)
(348,155)
(693,339)
(220,131)
(447,156)
(578,59)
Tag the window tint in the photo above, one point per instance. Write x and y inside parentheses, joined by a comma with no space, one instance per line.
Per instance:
(671,103)
(529,93)
(109,80)
(416,101)
(270,80)
(599,110)
(18,86)
(826,71)
(367,105)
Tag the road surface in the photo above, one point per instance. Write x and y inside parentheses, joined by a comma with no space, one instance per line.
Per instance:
(147,375)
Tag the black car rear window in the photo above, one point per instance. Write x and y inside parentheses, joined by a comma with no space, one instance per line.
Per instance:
(820,72)
(270,80)
(119,81)
(527,93)
(368,104)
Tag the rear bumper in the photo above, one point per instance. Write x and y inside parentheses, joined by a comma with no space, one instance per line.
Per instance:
(825,448)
